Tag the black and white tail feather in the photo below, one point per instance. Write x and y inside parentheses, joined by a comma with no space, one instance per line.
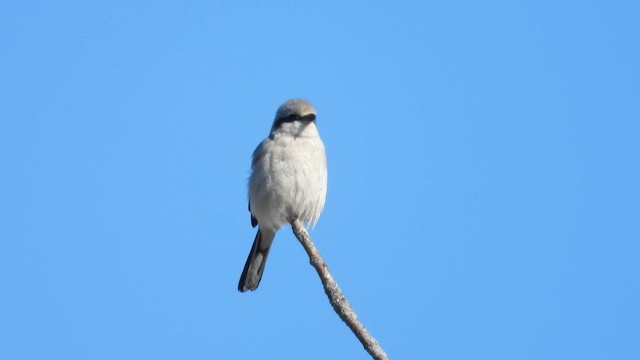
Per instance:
(257,259)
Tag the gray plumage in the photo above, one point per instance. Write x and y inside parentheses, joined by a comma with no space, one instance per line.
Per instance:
(288,179)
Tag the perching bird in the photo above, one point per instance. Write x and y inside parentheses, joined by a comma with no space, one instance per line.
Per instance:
(288,180)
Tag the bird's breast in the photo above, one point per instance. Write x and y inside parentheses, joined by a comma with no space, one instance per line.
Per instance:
(290,180)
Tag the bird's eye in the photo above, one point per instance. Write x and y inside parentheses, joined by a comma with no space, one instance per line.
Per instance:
(293,117)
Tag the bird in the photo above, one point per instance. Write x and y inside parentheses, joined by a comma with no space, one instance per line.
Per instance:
(288,180)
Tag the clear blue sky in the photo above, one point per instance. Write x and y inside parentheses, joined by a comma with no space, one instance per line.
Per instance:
(483,178)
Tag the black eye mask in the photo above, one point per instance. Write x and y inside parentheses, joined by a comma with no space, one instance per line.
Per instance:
(295,117)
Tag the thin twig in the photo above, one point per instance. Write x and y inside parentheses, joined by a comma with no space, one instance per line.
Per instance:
(336,298)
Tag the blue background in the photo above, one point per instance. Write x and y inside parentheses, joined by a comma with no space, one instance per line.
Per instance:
(483,178)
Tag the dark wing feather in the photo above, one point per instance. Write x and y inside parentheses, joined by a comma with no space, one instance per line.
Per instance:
(254,221)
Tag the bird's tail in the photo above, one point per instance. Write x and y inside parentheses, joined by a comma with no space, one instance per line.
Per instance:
(254,266)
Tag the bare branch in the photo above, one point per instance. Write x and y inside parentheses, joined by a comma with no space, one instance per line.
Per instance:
(336,298)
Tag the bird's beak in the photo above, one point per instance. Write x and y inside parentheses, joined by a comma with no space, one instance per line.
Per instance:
(308,118)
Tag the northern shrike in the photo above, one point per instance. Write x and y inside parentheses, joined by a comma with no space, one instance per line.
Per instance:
(288,180)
